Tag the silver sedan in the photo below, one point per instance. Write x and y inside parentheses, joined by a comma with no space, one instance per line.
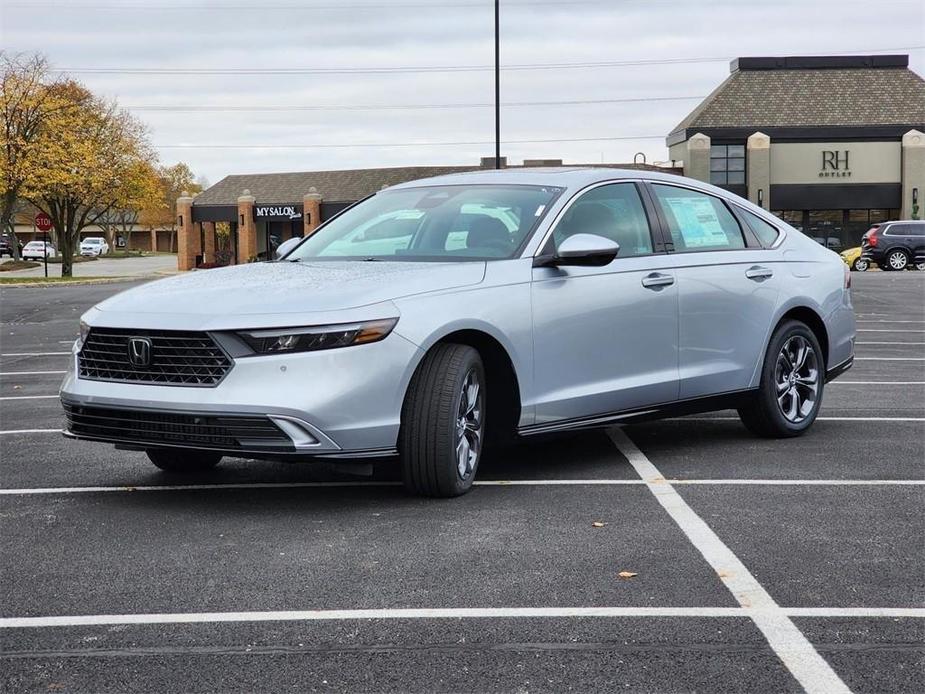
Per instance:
(440,316)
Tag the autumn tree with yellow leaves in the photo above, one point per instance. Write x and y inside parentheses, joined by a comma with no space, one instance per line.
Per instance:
(94,160)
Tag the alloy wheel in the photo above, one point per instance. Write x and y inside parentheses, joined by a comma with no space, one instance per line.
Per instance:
(796,376)
(898,260)
(469,425)
(861,265)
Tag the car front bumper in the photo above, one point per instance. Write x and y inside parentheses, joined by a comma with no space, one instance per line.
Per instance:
(340,402)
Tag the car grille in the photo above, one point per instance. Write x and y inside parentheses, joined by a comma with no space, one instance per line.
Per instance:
(177,358)
(225,432)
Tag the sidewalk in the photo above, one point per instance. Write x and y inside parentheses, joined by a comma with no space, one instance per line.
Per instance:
(107,267)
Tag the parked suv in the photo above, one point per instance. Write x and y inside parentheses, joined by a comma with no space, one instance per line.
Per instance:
(6,246)
(895,245)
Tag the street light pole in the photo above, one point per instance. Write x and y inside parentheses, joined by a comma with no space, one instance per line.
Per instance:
(497,85)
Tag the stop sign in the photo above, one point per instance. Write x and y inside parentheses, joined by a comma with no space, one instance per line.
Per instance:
(42,221)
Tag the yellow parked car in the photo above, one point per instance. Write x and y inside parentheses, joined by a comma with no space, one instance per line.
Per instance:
(853,259)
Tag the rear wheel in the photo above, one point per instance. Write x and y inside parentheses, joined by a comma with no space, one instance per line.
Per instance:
(920,266)
(897,260)
(792,381)
(183,461)
(443,422)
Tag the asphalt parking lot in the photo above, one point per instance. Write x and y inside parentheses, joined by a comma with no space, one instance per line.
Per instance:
(757,565)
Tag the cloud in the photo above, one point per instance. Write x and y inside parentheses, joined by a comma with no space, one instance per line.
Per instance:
(200,34)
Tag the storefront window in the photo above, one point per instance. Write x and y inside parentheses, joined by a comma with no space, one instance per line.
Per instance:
(825,228)
(727,165)
(793,217)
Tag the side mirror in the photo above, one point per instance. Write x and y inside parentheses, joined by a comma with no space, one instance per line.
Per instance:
(286,246)
(588,250)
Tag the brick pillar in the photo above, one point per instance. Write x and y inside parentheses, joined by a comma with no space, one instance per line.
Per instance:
(311,211)
(208,249)
(187,233)
(247,228)
(758,164)
(913,174)
(697,163)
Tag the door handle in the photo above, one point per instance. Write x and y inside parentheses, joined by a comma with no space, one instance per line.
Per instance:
(657,280)
(759,273)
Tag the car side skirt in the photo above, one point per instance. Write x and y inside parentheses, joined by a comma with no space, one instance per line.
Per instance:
(678,408)
(838,370)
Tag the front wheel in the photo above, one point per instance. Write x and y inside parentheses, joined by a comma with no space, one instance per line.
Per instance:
(443,422)
(792,379)
(183,461)
(861,265)
(920,266)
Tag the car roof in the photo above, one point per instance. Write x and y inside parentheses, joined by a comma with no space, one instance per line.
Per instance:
(563,176)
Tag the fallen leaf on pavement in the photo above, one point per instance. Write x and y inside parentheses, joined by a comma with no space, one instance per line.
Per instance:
(627,574)
(598,524)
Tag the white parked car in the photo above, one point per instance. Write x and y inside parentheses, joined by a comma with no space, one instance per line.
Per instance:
(94,245)
(37,250)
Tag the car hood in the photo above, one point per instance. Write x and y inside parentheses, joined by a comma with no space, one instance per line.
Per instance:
(287,287)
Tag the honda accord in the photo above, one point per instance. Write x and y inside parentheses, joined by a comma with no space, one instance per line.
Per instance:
(440,316)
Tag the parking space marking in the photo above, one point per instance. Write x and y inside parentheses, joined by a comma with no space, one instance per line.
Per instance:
(30,373)
(882,330)
(42,491)
(35,354)
(455,613)
(32,431)
(27,397)
(876,383)
(796,652)
(889,358)
(862,320)
(818,419)
(889,343)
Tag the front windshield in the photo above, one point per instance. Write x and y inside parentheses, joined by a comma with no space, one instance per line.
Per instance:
(482,222)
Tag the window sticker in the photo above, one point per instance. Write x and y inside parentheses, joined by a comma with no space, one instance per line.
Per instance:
(697,221)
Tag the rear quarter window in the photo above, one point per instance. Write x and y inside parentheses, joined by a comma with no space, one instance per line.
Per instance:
(766,232)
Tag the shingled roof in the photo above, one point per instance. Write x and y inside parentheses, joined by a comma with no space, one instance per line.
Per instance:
(335,186)
(846,91)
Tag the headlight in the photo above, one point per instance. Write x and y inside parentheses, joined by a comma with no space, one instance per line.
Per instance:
(286,340)
(82,335)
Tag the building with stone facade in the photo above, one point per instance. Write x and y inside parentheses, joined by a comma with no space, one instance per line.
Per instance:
(829,144)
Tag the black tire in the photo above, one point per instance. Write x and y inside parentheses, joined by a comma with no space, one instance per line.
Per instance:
(919,266)
(432,409)
(764,415)
(183,461)
(861,265)
(897,259)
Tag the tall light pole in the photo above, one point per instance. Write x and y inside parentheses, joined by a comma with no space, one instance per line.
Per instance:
(497,85)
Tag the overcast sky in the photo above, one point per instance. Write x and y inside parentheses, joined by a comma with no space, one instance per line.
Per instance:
(114,45)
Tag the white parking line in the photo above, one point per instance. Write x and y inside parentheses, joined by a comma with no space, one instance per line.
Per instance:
(882,330)
(41,491)
(28,397)
(454,613)
(818,419)
(862,320)
(889,358)
(889,343)
(31,431)
(796,652)
(35,354)
(30,373)
(876,383)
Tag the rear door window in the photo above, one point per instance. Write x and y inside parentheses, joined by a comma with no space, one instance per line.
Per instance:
(698,221)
